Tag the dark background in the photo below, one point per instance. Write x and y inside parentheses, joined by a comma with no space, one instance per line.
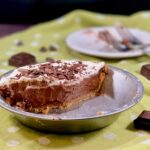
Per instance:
(34,11)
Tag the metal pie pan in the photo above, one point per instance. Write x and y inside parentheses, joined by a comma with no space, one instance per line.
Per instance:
(121,91)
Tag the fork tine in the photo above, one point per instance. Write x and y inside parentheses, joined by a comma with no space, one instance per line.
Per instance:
(134,39)
(108,37)
(127,35)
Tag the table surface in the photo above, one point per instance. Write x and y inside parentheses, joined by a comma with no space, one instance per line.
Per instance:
(121,135)
(7,29)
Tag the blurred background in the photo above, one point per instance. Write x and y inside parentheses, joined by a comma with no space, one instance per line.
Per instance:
(28,12)
(34,11)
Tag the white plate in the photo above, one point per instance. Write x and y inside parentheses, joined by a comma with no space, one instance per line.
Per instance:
(86,41)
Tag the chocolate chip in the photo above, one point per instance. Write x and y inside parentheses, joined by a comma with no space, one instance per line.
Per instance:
(76,70)
(43,49)
(145,71)
(143,120)
(22,59)
(18,75)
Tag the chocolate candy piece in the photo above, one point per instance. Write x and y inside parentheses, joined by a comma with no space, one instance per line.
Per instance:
(22,59)
(43,49)
(145,71)
(143,120)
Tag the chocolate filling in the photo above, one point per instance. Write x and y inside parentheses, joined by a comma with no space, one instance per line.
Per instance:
(35,95)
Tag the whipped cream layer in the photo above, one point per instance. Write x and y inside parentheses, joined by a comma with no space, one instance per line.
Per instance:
(55,73)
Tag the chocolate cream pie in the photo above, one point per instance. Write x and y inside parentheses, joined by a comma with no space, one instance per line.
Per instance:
(54,86)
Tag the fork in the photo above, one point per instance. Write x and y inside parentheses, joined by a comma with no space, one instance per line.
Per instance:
(129,39)
(127,35)
(111,41)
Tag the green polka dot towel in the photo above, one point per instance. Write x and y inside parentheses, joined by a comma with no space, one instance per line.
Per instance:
(120,135)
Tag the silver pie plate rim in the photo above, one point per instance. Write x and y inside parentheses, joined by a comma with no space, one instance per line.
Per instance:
(134,101)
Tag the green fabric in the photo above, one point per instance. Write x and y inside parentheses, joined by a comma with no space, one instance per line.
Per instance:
(120,134)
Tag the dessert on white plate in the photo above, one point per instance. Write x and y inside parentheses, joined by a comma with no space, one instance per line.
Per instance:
(89,41)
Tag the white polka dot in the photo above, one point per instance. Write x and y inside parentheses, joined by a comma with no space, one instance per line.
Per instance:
(44,141)
(110,136)
(122,62)
(146,15)
(13,48)
(141,133)
(77,19)
(13,129)
(12,143)
(3,70)
(4,63)
(146,141)
(61,20)
(35,44)
(133,117)
(16,41)
(100,17)
(53,53)
(37,35)
(117,22)
(77,139)
(56,35)
(9,53)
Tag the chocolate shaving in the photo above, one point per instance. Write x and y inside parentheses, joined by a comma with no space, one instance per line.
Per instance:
(64,71)
(19,75)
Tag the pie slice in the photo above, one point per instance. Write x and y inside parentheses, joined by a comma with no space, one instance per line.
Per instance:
(54,86)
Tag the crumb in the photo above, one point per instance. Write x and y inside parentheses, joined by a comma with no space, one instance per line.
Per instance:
(43,49)
(53,47)
(99,112)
